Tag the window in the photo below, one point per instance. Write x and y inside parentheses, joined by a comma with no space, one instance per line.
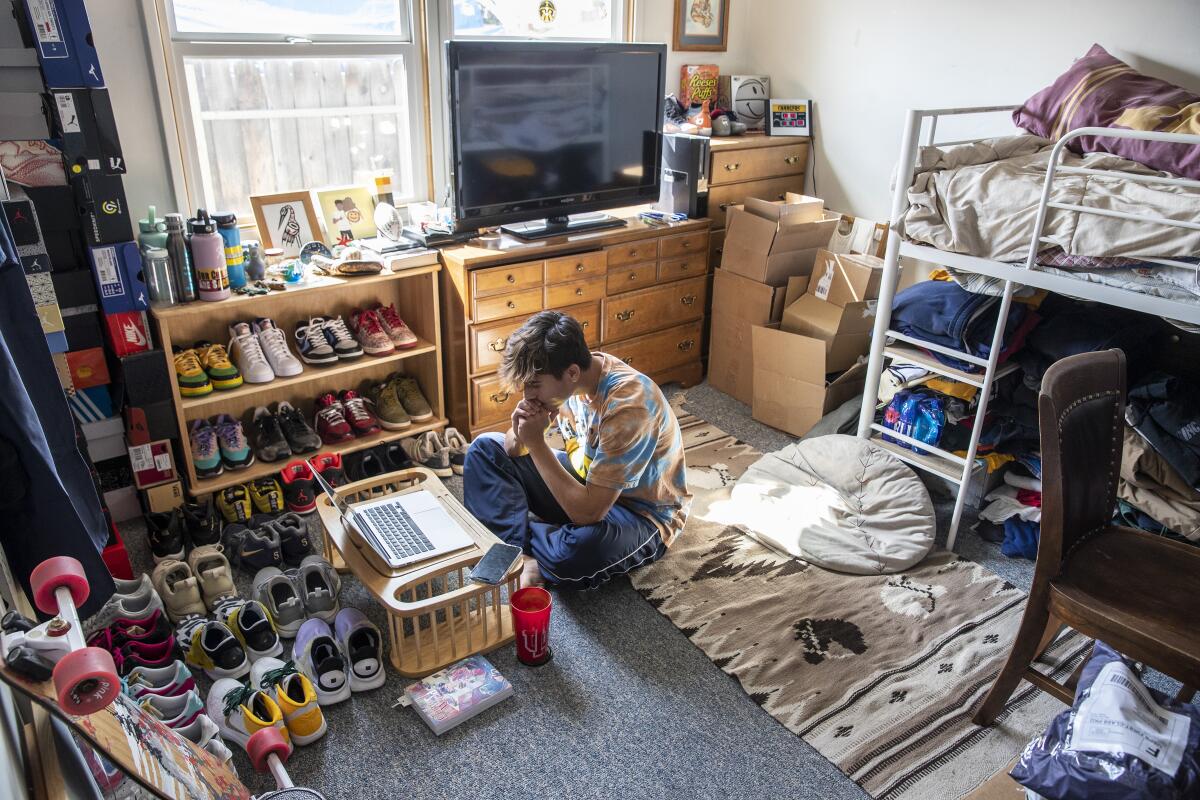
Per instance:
(538,19)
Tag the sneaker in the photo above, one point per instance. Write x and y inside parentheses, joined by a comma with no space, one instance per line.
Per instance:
(318,657)
(132,655)
(174,711)
(319,584)
(330,421)
(201,523)
(292,531)
(270,443)
(433,441)
(311,342)
(253,544)
(301,438)
(221,371)
(179,590)
(211,568)
(278,594)
(275,347)
(133,599)
(295,695)
(206,452)
(189,374)
(394,456)
(362,644)
(252,626)
(396,329)
(698,115)
(298,488)
(267,495)
(366,464)
(457,445)
(234,503)
(368,329)
(409,392)
(674,120)
(213,648)
(241,711)
(436,461)
(235,449)
(207,736)
(169,681)
(354,407)
(330,467)
(387,407)
(164,533)
(150,630)
(340,338)
(248,353)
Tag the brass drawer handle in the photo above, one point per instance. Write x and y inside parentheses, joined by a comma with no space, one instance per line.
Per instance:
(684,266)
(511,278)
(732,167)
(498,345)
(792,159)
(633,276)
(584,324)
(688,299)
(579,291)
(579,267)
(685,244)
(633,252)
(511,304)
(629,360)
(499,397)
(687,344)
(625,315)
(724,206)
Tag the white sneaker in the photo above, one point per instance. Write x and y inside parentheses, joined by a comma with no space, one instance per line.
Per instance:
(134,599)
(240,710)
(205,733)
(428,452)
(247,353)
(275,346)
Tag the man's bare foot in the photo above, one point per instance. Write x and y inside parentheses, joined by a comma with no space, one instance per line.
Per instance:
(530,574)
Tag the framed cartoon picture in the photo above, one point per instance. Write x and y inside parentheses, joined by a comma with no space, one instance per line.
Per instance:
(348,213)
(287,220)
(701,24)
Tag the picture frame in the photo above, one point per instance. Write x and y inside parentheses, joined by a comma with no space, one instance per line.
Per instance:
(346,212)
(287,220)
(701,25)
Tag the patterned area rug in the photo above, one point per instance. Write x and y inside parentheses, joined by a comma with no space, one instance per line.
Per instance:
(879,673)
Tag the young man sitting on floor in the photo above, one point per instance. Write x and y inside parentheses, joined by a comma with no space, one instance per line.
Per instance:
(617,497)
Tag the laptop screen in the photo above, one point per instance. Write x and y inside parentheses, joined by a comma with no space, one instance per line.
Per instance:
(338,503)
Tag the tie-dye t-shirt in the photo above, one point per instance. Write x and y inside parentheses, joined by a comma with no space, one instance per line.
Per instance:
(626,437)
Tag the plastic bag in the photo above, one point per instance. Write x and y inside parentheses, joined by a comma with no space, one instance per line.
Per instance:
(1120,739)
(917,414)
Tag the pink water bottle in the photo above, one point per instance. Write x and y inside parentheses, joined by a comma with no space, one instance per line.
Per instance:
(208,257)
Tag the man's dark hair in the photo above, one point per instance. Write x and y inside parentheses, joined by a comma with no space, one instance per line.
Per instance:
(548,343)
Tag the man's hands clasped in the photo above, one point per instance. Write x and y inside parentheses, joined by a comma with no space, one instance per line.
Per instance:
(529,422)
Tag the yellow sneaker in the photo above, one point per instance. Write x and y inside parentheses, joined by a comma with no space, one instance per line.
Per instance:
(221,371)
(240,711)
(190,375)
(295,696)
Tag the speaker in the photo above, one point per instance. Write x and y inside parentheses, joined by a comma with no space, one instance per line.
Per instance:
(684,187)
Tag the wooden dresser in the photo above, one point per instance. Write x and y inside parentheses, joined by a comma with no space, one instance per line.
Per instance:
(752,165)
(640,293)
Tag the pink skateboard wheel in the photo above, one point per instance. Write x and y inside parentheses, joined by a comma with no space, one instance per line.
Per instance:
(53,573)
(86,681)
(265,742)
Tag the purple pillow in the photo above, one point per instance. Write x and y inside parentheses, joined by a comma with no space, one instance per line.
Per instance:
(1101,91)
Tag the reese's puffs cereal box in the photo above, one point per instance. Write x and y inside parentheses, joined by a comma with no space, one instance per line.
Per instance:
(697,83)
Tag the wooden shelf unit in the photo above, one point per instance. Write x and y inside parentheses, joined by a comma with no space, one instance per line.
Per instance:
(413,290)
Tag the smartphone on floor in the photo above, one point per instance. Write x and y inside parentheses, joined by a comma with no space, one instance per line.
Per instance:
(495,564)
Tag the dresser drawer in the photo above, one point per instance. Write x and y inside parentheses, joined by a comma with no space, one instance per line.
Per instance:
(497,280)
(716,244)
(659,351)
(734,166)
(720,198)
(635,313)
(508,305)
(487,343)
(588,317)
(676,268)
(563,294)
(491,403)
(633,276)
(632,252)
(572,268)
(685,245)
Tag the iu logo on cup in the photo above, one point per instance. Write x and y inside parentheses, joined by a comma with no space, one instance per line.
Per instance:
(535,643)
(531,625)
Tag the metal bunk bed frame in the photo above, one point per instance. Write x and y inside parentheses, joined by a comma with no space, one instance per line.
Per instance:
(886,343)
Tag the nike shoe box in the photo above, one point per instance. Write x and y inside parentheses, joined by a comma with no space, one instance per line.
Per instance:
(128,332)
(146,378)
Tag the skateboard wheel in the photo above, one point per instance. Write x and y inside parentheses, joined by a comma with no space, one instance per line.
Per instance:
(54,573)
(265,742)
(86,681)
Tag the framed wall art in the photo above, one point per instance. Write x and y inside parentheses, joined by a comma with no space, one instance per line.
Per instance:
(288,220)
(701,24)
(348,213)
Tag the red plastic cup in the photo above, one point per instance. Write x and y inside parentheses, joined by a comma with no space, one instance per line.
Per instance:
(531,624)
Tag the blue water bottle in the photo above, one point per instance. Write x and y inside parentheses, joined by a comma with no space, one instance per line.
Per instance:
(235,261)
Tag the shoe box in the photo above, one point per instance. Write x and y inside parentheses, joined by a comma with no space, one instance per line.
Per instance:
(127,332)
(145,378)
(163,497)
(150,421)
(82,119)
(117,269)
(88,368)
(62,35)
(61,229)
(152,463)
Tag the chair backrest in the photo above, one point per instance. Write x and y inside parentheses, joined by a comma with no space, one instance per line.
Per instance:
(1081,412)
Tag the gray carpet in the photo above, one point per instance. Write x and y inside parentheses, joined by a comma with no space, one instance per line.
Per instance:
(628,708)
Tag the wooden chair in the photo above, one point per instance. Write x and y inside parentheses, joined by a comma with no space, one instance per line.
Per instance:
(1131,589)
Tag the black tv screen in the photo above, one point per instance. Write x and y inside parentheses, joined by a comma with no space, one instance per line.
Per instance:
(547,129)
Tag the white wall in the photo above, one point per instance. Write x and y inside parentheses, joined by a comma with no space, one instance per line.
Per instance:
(865,63)
(655,21)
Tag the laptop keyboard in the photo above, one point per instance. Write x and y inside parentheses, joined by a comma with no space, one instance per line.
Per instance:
(398,535)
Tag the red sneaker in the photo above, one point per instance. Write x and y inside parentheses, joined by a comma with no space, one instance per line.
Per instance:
(330,467)
(330,420)
(298,493)
(396,329)
(355,410)
(370,333)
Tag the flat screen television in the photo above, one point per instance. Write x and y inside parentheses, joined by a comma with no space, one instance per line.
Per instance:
(553,131)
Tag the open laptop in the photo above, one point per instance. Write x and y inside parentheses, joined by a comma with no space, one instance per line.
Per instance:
(400,529)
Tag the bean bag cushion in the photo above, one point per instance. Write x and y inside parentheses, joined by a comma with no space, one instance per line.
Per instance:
(837,502)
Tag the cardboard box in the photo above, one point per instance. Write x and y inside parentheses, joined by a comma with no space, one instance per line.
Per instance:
(122,504)
(117,270)
(999,787)
(105,438)
(88,368)
(771,242)
(859,235)
(844,278)
(790,388)
(128,332)
(838,307)
(739,304)
(151,463)
(164,497)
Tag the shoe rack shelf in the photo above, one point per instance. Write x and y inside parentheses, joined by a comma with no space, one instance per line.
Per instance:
(413,290)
